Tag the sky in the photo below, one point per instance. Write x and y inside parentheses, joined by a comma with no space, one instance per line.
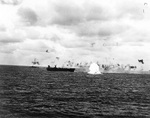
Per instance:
(77,30)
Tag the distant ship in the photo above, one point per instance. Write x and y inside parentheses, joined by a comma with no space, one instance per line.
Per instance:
(60,69)
(35,63)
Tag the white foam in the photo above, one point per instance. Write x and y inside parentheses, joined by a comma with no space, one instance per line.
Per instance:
(94,69)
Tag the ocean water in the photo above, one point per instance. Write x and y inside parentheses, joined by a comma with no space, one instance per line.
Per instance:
(37,93)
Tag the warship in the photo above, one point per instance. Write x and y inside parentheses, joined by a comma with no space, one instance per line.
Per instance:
(60,69)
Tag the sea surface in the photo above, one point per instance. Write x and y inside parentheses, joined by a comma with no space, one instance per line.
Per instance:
(27,92)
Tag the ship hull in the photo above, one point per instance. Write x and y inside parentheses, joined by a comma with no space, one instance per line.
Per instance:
(61,69)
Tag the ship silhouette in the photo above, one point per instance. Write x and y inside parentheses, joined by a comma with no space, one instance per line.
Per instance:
(60,69)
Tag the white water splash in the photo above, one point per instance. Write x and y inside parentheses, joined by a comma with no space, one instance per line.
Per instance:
(94,69)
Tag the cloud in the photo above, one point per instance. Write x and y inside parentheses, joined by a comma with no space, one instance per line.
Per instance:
(8,48)
(33,33)
(2,28)
(130,10)
(7,39)
(34,45)
(11,2)
(70,13)
(28,16)
(11,37)
(74,43)
(99,29)
(67,14)
(55,38)
(89,19)
(98,11)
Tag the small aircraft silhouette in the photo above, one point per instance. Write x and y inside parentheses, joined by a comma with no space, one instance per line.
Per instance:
(145,4)
(92,44)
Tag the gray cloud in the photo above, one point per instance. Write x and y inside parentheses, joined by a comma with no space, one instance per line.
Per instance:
(70,13)
(67,14)
(11,2)
(38,46)
(2,28)
(28,16)
(90,19)
(55,38)
(13,37)
(8,39)
(135,36)
(8,48)
(130,10)
(99,29)
(74,44)
(32,33)
(97,12)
